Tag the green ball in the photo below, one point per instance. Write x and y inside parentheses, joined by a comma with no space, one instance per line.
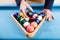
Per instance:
(23,21)
(19,18)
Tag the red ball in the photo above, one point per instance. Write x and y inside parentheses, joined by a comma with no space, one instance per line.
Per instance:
(34,24)
(30,29)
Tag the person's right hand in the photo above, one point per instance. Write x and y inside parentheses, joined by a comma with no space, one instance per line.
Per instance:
(23,6)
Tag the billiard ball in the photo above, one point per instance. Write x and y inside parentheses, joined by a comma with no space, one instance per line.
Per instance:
(27,19)
(19,18)
(39,13)
(29,14)
(34,24)
(26,24)
(30,29)
(39,17)
(37,21)
(15,15)
(22,21)
(31,19)
(22,15)
(34,16)
(42,14)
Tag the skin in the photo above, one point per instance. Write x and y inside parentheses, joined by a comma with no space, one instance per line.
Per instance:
(24,5)
(49,15)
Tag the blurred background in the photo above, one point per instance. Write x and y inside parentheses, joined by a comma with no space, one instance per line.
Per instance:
(29,1)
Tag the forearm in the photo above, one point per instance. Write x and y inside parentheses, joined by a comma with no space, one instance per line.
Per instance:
(22,0)
(48,4)
(19,1)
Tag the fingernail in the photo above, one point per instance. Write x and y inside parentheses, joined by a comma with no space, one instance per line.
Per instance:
(53,18)
(49,20)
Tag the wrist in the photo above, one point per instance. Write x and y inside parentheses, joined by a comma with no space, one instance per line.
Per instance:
(46,10)
(22,0)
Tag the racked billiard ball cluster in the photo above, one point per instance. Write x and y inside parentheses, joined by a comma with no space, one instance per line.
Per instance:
(29,23)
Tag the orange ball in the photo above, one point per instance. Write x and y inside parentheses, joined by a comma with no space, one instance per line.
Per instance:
(30,29)
(34,24)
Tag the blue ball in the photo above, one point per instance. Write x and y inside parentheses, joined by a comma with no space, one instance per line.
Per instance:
(42,14)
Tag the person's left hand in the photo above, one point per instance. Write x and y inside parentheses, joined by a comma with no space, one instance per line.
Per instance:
(48,14)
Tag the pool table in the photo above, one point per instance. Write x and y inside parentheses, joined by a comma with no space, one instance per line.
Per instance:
(10,30)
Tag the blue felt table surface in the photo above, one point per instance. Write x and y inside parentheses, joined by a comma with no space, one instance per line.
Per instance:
(29,4)
(10,30)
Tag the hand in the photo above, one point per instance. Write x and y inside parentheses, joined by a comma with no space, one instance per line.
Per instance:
(49,15)
(23,6)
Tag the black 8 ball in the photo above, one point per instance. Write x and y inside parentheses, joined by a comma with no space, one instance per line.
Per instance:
(29,13)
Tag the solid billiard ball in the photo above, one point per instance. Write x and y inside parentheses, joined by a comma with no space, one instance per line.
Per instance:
(34,24)
(19,18)
(22,15)
(26,24)
(30,29)
(31,19)
(15,15)
(29,14)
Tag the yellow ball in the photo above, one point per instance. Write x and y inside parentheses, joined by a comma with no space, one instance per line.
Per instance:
(22,15)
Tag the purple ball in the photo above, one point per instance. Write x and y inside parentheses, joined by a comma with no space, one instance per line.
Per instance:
(15,15)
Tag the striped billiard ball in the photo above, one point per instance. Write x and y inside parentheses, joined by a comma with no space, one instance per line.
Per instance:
(26,24)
